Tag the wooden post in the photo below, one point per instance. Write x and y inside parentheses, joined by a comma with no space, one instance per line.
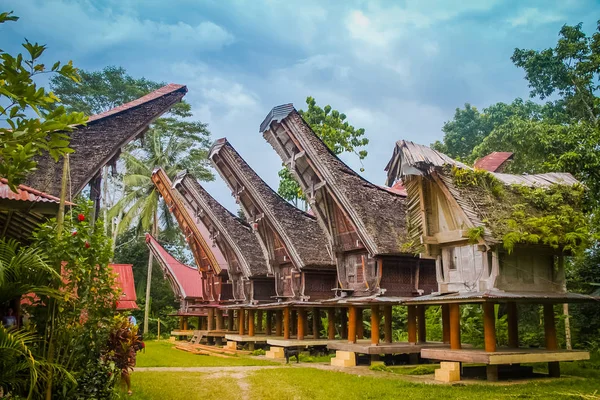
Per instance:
(204,323)
(180,323)
(454,314)
(375,325)
(352,324)
(412,324)
(387,328)
(158,328)
(211,319)
(344,322)
(219,313)
(278,323)
(241,319)
(551,341)
(269,324)
(445,323)
(251,322)
(512,318)
(421,324)
(286,323)
(301,323)
(316,325)
(331,323)
(230,320)
(294,322)
(259,321)
(489,327)
(360,326)
(199,322)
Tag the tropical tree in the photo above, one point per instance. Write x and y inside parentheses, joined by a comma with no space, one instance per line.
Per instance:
(336,132)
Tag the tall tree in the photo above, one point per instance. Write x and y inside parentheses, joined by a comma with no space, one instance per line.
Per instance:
(34,124)
(336,132)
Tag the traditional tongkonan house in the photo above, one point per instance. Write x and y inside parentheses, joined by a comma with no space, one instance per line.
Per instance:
(291,239)
(212,265)
(248,270)
(480,227)
(365,226)
(187,286)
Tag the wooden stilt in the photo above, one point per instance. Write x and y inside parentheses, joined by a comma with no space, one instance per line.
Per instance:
(344,322)
(551,341)
(199,322)
(512,318)
(360,326)
(375,325)
(412,324)
(269,323)
(421,324)
(278,323)
(352,324)
(230,320)
(286,323)
(259,321)
(294,322)
(489,327)
(251,322)
(445,323)
(241,321)
(185,323)
(387,328)
(219,314)
(331,323)
(301,323)
(454,317)
(316,325)
(204,324)
(211,319)
(180,323)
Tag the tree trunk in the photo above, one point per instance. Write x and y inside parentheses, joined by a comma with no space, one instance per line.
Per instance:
(567,326)
(149,276)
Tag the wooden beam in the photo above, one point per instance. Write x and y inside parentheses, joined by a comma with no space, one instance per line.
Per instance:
(301,323)
(489,327)
(458,235)
(551,340)
(421,324)
(269,323)
(412,324)
(278,323)
(219,315)
(387,328)
(344,321)
(454,314)
(180,323)
(445,323)
(316,326)
(352,324)
(375,325)
(185,323)
(251,322)
(286,323)
(211,319)
(360,326)
(259,321)
(512,318)
(230,320)
(331,323)
(241,321)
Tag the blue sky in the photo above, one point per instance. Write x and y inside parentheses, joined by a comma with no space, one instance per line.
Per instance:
(396,68)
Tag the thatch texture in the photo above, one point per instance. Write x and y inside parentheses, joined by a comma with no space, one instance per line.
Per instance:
(101,140)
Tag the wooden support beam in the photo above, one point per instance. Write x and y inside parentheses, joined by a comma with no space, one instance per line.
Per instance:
(180,323)
(512,318)
(375,325)
(412,324)
(204,324)
(454,314)
(301,323)
(278,323)
(241,321)
(316,323)
(286,323)
(344,322)
(360,326)
(185,323)
(230,320)
(551,340)
(387,328)
(352,324)
(421,324)
(445,323)
(294,321)
(489,327)
(259,321)
(269,323)
(219,315)
(251,322)
(211,319)
(331,323)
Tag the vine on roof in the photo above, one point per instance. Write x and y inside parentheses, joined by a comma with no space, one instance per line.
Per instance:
(519,214)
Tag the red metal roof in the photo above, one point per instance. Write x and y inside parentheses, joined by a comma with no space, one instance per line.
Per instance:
(125,282)
(187,278)
(26,193)
(493,161)
(397,188)
(172,87)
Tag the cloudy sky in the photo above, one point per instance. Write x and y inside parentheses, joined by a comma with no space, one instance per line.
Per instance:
(396,68)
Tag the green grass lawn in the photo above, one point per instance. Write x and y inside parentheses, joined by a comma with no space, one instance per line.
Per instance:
(181,386)
(162,354)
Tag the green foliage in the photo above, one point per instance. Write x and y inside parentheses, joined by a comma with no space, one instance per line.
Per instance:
(338,135)
(35,125)
(475,234)
(379,366)
(259,352)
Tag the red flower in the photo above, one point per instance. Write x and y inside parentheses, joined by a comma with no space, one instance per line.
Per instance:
(74,233)
(87,245)
(81,217)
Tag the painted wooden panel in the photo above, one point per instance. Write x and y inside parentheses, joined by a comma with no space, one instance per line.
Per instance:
(318,285)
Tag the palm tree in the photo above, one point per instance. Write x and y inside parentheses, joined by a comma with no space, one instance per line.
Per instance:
(141,206)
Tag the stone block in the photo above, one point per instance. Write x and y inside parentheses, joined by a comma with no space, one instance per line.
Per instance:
(450,366)
(444,375)
(231,345)
(275,352)
(345,355)
(338,362)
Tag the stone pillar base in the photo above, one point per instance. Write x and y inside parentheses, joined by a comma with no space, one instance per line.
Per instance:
(275,353)
(344,359)
(448,372)
(231,345)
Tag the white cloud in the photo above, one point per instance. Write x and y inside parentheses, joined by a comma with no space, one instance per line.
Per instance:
(533,17)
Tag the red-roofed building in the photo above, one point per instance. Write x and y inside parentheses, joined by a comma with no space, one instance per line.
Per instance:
(494,162)
(126,285)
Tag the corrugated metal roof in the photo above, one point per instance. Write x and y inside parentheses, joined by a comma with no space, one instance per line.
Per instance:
(125,282)
(26,193)
(493,161)
(490,295)
(276,114)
